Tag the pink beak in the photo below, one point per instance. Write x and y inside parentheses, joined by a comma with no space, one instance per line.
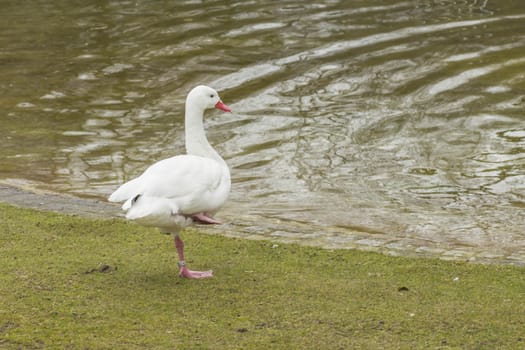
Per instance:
(222,107)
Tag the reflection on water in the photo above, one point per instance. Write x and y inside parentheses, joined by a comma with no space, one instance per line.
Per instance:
(397,121)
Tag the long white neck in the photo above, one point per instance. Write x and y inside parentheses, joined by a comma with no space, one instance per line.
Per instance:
(196,142)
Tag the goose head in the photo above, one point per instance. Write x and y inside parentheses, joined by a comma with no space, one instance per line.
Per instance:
(204,97)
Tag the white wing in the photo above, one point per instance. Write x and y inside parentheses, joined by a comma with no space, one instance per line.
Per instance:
(186,184)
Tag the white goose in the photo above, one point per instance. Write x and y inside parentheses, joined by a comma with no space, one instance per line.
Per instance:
(174,192)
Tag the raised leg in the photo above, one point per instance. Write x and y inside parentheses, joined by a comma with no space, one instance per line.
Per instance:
(205,218)
(184,271)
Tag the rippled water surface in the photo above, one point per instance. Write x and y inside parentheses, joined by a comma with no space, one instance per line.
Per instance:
(380,122)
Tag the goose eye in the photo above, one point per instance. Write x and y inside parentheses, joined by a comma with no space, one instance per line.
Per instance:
(211,95)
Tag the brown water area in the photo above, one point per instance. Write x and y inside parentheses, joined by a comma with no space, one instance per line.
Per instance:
(395,126)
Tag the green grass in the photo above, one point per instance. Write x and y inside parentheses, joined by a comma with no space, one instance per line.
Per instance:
(55,293)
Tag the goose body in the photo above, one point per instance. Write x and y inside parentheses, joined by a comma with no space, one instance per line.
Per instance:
(174,192)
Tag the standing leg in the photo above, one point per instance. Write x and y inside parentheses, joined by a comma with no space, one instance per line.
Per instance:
(184,272)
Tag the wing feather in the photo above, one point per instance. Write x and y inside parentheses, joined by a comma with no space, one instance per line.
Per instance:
(193,183)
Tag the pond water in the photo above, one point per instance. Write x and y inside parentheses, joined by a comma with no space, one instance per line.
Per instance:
(372,123)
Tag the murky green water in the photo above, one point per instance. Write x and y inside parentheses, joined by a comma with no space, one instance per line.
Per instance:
(380,122)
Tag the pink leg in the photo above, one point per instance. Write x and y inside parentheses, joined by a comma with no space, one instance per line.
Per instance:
(184,272)
(204,218)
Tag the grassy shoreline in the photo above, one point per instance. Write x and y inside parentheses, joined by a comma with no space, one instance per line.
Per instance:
(72,282)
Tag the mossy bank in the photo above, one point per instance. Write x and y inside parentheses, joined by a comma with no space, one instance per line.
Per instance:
(77,283)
